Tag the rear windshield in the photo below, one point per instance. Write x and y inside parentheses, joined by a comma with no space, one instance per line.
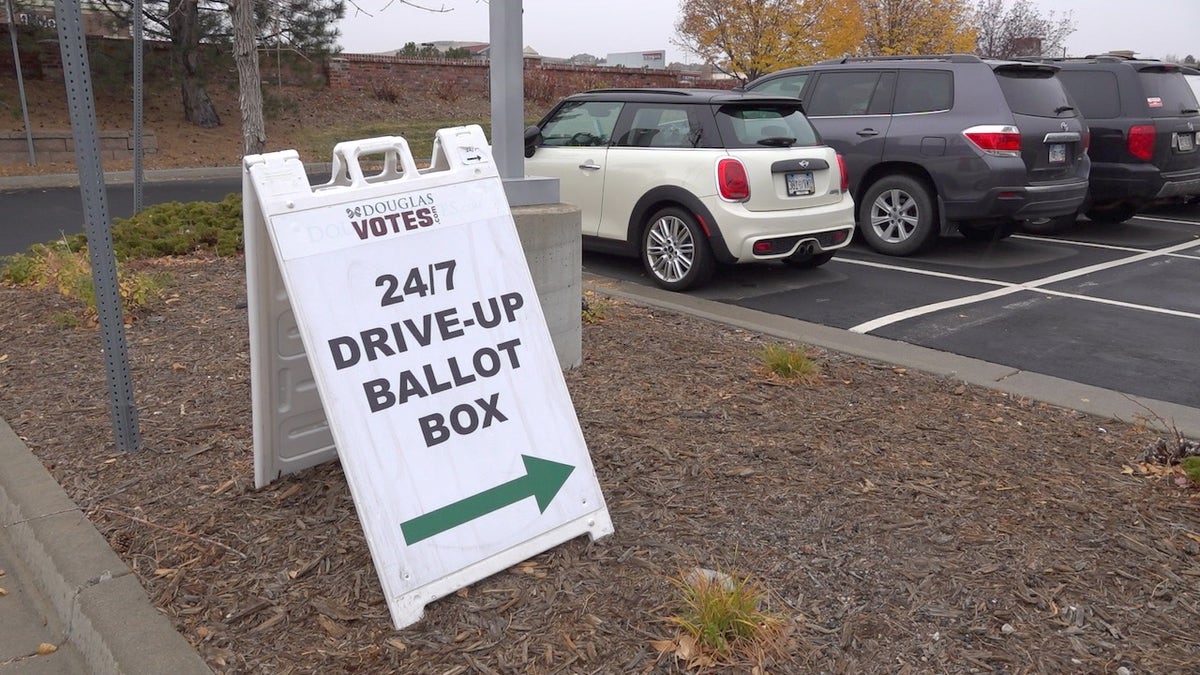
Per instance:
(1167,93)
(1034,91)
(765,125)
(1095,91)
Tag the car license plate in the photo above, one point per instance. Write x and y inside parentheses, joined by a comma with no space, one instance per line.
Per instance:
(1058,153)
(1185,142)
(799,184)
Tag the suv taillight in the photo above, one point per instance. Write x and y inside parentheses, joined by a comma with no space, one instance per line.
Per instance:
(1141,141)
(998,140)
(732,182)
(845,174)
(1087,139)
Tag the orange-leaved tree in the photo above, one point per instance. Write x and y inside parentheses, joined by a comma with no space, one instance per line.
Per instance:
(917,27)
(748,38)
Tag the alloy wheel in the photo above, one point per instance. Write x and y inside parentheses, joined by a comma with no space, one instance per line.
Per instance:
(670,249)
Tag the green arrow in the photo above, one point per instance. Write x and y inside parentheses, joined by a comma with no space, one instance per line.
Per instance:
(542,480)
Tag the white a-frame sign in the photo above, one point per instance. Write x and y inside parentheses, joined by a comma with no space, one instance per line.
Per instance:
(393,317)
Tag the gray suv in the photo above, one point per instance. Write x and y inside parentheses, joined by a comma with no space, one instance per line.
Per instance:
(939,144)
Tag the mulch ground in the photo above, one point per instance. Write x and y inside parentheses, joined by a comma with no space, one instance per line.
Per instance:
(900,522)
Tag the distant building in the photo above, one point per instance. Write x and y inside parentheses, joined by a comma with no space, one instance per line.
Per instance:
(656,59)
(1027,46)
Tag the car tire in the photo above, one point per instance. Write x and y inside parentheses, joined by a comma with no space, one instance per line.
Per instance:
(674,250)
(897,215)
(1048,225)
(811,261)
(987,233)
(1111,214)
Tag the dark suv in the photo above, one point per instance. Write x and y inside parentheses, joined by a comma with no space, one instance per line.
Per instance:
(1145,125)
(936,144)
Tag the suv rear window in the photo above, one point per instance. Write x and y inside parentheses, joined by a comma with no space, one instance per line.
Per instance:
(1033,91)
(1167,92)
(764,125)
(1095,91)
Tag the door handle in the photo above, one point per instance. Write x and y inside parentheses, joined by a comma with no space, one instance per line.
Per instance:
(868,132)
(589,166)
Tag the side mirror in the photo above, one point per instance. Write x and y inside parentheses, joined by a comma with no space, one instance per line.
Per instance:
(533,138)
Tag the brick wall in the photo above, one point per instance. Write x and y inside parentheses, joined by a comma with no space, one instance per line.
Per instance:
(461,78)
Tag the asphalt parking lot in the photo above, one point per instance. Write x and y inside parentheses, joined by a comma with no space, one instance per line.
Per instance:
(1116,307)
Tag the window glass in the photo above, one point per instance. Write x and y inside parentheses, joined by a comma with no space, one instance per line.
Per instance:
(581,123)
(924,91)
(764,125)
(1034,91)
(663,126)
(842,93)
(1094,91)
(789,85)
(1171,89)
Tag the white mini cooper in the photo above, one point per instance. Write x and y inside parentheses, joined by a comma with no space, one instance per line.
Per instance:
(688,178)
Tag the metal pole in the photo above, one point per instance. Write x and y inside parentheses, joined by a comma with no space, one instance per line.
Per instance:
(12,32)
(508,87)
(81,105)
(137,106)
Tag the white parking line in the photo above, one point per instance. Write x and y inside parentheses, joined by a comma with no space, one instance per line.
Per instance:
(1010,288)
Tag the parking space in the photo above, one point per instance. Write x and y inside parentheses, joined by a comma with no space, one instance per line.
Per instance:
(1111,306)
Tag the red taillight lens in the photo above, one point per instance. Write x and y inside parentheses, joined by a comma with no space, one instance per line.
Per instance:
(732,182)
(1087,139)
(845,174)
(996,140)
(1141,141)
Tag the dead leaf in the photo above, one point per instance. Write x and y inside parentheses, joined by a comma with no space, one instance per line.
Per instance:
(1193,537)
(46,648)
(3,591)
(741,471)
(178,366)
(3,358)
(202,632)
(396,643)
(663,646)
(163,571)
(868,486)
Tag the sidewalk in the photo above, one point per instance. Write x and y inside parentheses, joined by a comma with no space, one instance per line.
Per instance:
(66,587)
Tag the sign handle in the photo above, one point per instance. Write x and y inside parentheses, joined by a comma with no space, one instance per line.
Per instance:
(398,162)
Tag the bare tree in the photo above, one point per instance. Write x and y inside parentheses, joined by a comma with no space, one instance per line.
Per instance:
(250,98)
(1004,30)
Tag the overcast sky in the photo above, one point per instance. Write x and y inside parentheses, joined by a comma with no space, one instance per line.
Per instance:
(563,28)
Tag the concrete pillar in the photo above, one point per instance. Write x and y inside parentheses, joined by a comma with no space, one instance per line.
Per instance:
(550,237)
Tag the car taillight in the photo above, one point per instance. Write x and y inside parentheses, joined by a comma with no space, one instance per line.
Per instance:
(998,140)
(845,174)
(1087,139)
(1141,141)
(732,182)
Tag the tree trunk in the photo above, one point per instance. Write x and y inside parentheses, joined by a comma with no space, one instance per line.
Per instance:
(250,99)
(184,23)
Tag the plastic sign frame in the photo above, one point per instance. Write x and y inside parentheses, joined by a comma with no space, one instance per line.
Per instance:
(405,295)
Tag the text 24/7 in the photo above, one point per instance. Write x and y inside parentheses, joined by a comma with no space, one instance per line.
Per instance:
(420,281)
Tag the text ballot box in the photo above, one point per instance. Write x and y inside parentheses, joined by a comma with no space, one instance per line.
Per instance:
(394,325)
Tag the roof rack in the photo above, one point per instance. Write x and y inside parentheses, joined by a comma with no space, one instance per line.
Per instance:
(642,90)
(951,58)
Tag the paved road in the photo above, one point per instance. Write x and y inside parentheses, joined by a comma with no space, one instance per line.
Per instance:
(36,215)
(1112,307)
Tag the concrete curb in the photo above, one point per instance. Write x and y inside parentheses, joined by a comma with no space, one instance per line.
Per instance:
(1163,415)
(106,612)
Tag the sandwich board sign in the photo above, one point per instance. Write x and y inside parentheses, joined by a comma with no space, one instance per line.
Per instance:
(406,298)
